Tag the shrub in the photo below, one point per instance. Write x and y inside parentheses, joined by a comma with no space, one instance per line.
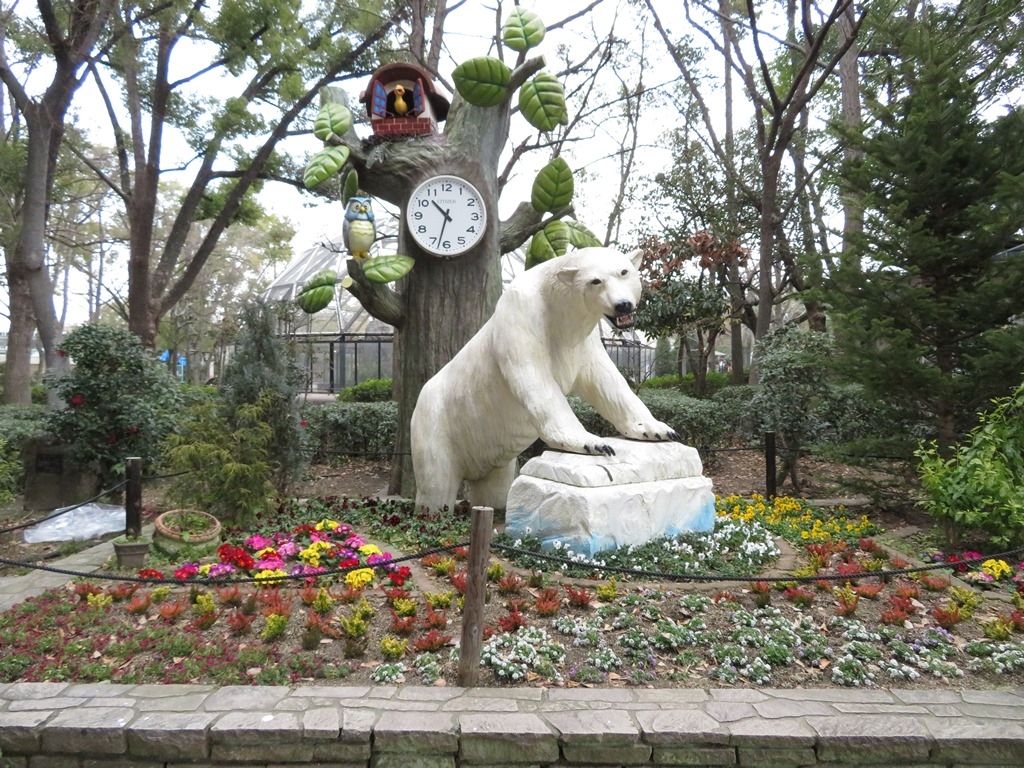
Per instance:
(981,487)
(338,429)
(369,391)
(262,363)
(226,463)
(121,400)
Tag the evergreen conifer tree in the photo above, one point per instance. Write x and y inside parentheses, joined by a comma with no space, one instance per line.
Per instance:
(930,318)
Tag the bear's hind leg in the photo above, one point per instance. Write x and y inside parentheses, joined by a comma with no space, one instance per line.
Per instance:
(491,490)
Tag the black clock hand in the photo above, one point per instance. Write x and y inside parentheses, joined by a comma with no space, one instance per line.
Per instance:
(447,216)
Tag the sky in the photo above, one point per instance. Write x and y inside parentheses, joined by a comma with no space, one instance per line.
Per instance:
(468,33)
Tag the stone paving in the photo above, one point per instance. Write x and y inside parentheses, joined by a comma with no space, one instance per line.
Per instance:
(62,725)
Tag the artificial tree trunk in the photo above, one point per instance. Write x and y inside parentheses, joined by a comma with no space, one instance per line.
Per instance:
(441,303)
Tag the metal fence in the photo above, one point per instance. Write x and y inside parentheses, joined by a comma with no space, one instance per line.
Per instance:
(335,361)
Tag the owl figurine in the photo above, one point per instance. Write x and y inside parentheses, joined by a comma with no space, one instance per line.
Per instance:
(359,231)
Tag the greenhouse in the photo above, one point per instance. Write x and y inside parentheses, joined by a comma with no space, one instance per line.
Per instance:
(343,344)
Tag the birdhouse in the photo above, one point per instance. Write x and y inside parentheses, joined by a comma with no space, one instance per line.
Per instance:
(401,101)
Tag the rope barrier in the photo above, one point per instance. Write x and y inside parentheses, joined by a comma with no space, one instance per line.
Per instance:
(608,569)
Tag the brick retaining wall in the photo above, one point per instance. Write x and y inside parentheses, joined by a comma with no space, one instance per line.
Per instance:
(57,725)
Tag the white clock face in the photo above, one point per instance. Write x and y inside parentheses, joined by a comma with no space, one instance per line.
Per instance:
(446,215)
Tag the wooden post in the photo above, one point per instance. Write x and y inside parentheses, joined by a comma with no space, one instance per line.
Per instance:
(481,526)
(770,490)
(133,498)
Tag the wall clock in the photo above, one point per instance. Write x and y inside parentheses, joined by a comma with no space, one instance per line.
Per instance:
(446,215)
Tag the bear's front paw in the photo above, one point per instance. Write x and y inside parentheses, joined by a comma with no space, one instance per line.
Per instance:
(656,432)
(603,450)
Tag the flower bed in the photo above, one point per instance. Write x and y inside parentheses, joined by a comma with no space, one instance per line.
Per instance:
(837,621)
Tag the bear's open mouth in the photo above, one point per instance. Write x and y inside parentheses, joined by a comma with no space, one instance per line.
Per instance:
(621,321)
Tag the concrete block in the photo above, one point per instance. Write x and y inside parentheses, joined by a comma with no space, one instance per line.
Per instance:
(491,739)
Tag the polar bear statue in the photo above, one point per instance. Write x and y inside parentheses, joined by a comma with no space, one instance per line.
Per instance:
(507,386)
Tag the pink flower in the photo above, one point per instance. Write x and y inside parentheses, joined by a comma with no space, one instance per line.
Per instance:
(257,542)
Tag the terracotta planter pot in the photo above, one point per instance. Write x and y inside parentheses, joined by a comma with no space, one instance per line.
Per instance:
(171,536)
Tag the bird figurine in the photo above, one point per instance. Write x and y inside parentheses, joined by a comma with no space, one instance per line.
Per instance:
(359,231)
(397,105)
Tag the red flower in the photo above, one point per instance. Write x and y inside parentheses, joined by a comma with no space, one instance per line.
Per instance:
(303,423)
(61,353)
(150,573)
(133,430)
(399,576)
(77,400)
(111,439)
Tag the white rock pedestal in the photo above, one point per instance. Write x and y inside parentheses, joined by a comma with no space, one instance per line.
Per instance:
(595,503)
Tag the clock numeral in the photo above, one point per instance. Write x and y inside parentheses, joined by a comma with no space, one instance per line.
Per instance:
(471,202)
(447,244)
(475,216)
(446,186)
(418,215)
(423,203)
(462,241)
(471,229)
(421,229)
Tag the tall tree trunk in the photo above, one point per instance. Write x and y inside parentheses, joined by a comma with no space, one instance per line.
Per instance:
(851,116)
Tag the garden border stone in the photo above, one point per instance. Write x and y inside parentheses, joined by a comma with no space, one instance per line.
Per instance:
(63,725)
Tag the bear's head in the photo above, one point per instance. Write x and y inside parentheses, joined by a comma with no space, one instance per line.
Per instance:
(607,282)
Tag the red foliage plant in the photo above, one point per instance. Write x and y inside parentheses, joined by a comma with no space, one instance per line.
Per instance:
(139,603)
(230,595)
(276,602)
(402,625)
(240,623)
(171,611)
(84,589)
(908,589)
(434,619)
(578,598)
(432,641)
(459,582)
(947,616)
(510,584)
(122,591)
(546,607)
(799,596)
(511,622)
(870,591)
(934,583)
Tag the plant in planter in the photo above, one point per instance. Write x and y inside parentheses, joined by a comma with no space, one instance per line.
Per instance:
(178,529)
(131,551)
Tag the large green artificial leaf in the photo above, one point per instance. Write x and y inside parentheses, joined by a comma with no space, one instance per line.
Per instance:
(580,236)
(351,186)
(482,81)
(553,187)
(327,277)
(317,292)
(324,164)
(542,102)
(550,242)
(332,120)
(523,30)
(387,269)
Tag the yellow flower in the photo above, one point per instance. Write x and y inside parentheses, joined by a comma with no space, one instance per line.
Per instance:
(359,579)
(369,549)
(327,524)
(997,569)
(205,569)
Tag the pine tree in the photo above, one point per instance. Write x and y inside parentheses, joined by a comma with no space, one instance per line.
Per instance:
(930,318)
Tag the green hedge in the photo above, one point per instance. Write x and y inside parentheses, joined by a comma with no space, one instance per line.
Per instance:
(336,430)
(17,424)
(369,391)
(341,429)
